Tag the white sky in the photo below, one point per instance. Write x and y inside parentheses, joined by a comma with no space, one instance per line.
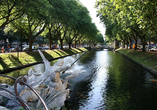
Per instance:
(92,11)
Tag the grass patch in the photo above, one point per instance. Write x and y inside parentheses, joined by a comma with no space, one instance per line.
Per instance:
(11,60)
(155,68)
(147,58)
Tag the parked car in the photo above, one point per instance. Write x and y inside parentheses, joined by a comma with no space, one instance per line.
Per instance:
(43,48)
(65,47)
(153,49)
(140,46)
(40,48)
(150,47)
(12,49)
(26,47)
(46,47)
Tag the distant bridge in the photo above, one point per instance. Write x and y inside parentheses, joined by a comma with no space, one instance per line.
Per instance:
(101,48)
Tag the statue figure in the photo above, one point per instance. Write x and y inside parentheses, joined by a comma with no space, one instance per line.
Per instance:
(35,80)
(48,84)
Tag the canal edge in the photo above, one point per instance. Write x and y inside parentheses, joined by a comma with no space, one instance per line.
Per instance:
(152,71)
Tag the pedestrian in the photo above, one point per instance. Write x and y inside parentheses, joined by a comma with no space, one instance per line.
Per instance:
(3,49)
(17,48)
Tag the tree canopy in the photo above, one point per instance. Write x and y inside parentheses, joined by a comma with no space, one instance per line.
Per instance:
(128,19)
(65,20)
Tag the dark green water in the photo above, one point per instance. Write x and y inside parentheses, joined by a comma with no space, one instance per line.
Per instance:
(112,82)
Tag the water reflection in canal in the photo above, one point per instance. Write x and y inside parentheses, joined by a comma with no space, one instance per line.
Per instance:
(109,81)
(112,82)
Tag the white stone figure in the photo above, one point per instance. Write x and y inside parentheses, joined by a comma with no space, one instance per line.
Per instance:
(35,80)
(57,83)
(54,91)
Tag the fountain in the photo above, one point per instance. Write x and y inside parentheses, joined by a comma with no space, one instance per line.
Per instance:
(44,90)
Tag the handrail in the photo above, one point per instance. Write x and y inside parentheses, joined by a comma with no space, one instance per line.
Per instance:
(22,81)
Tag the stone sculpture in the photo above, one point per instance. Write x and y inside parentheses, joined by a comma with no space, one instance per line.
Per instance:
(49,85)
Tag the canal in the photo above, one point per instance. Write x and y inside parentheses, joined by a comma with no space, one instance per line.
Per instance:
(109,81)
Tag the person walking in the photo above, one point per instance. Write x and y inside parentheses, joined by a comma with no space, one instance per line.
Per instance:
(3,49)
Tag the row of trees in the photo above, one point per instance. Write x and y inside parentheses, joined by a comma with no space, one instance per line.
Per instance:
(126,20)
(63,20)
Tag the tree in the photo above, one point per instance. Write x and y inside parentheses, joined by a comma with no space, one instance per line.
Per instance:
(41,40)
(34,21)
(10,10)
(127,15)
(2,34)
(99,38)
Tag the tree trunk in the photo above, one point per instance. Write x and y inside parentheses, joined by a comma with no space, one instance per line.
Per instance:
(61,43)
(79,44)
(123,43)
(50,37)
(30,45)
(50,44)
(144,43)
(21,44)
(69,45)
(75,43)
(135,44)
(127,43)
(130,42)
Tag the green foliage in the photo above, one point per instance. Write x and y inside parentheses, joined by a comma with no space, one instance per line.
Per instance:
(2,34)
(153,39)
(41,40)
(10,10)
(124,19)
(3,101)
(21,108)
(99,38)
(50,18)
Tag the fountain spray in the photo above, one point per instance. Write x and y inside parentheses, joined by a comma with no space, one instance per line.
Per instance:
(74,62)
